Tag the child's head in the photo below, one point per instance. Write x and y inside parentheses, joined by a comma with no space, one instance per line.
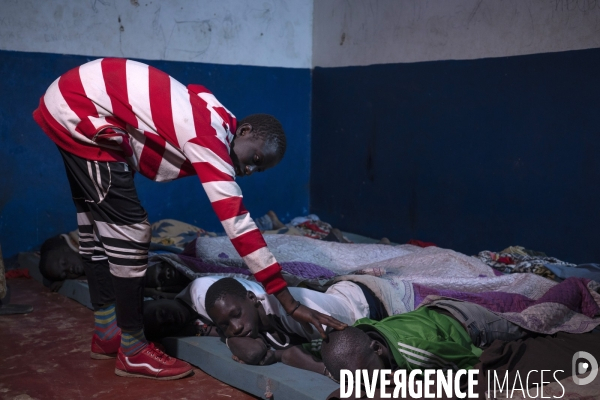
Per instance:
(164,318)
(165,277)
(259,144)
(232,308)
(353,349)
(58,261)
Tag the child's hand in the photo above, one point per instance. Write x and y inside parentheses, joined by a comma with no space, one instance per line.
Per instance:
(307,316)
(270,358)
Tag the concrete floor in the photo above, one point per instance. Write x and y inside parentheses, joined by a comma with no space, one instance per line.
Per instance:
(45,355)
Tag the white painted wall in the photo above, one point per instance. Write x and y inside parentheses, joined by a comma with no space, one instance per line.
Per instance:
(246,32)
(363,32)
(280,33)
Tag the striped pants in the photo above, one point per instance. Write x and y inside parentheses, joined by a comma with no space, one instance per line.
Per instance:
(114,235)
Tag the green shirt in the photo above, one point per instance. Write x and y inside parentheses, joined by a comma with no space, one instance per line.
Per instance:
(425,339)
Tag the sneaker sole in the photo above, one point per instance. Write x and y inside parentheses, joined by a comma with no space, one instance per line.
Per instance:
(100,356)
(161,378)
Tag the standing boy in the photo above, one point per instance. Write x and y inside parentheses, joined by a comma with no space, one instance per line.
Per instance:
(111,117)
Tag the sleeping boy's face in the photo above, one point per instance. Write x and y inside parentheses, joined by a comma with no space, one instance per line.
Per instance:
(237,317)
(165,276)
(165,317)
(63,263)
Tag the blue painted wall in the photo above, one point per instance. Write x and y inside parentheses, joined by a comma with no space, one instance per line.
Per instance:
(472,155)
(35,200)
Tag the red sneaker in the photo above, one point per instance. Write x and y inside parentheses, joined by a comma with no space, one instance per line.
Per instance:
(151,363)
(105,349)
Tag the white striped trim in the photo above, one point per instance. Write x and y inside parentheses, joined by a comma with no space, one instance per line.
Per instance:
(139,232)
(170,165)
(133,251)
(215,119)
(183,117)
(196,153)
(84,218)
(93,84)
(127,271)
(98,181)
(91,174)
(221,190)
(421,364)
(259,260)
(145,365)
(61,112)
(138,89)
(137,141)
(99,249)
(238,225)
(425,361)
(126,257)
(426,355)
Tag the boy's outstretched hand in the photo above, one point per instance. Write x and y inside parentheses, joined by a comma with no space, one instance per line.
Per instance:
(307,316)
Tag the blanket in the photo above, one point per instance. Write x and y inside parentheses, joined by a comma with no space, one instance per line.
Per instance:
(340,258)
(406,277)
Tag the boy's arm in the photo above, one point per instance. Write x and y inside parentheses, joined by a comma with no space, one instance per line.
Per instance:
(251,351)
(298,357)
(247,350)
(305,315)
(210,158)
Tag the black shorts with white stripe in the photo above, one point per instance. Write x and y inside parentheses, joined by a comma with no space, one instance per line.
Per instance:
(113,228)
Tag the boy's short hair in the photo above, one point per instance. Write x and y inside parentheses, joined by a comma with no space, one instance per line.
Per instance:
(268,128)
(345,349)
(220,288)
(50,254)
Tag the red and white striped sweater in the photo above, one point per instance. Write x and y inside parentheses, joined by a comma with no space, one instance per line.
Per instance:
(172,132)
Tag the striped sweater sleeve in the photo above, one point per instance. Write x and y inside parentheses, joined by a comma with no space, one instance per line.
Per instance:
(209,155)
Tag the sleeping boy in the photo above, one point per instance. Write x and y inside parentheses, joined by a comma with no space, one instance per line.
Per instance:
(239,312)
(450,335)
(347,301)
(447,336)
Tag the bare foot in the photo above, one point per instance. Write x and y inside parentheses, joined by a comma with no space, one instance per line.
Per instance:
(277,224)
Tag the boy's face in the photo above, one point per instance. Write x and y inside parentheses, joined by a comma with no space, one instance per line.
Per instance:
(237,317)
(161,276)
(166,312)
(64,264)
(166,316)
(250,154)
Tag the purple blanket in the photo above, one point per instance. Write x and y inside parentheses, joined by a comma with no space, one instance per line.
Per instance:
(198,267)
(571,306)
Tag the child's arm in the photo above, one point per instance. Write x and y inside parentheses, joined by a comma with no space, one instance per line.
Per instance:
(255,352)
(298,357)
(248,350)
